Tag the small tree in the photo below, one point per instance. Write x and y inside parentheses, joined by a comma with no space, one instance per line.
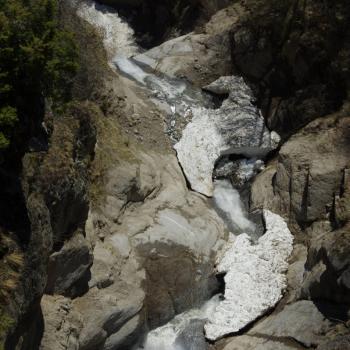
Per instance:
(37,60)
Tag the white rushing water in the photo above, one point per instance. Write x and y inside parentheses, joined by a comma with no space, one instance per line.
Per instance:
(228,201)
(172,95)
(118,36)
(171,336)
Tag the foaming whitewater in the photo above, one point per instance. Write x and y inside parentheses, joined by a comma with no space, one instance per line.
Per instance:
(171,94)
(118,36)
(172,336)
(228,202)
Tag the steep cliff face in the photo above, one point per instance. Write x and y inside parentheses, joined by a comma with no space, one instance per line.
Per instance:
(296,54)
(121,239)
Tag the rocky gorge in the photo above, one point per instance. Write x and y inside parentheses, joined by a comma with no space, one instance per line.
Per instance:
(195,195)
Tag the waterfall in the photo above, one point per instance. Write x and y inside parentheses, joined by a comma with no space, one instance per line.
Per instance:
(118,36)
(184,332)
(228,203)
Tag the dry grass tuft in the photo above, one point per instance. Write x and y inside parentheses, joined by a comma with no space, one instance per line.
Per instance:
(15,260)
(11,264)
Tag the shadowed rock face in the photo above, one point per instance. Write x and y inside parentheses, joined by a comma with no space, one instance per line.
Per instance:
(170,17)
(55,186)
(296,54)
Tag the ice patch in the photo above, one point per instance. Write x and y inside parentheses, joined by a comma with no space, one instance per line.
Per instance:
(255,277)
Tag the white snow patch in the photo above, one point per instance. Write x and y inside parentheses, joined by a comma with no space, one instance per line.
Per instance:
(237,127)
(255,277)
(198,150)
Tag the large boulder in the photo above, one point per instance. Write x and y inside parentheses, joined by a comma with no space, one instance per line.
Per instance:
(301,321)
(150,213)
(327,275)
(307,177)
(309,185)
(201,58)
(248,342)
(297,325)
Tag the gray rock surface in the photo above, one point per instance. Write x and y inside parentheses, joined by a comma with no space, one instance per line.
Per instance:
(62,326)
(247,342)
(68,266)
(297,326)
(281,63)
(310,186)
(327,268)
(307,174)
(154,245)
(301,321)
(340,343)
(193,56)
(296,270)
(172,231)
(152,241)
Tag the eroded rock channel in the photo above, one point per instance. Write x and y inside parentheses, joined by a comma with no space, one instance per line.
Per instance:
(165,245)
(203,228)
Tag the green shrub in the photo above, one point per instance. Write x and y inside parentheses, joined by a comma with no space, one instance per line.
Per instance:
(6,322)
(8,119)
(37,60)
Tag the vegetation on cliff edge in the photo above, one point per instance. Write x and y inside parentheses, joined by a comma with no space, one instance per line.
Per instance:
(37,61)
